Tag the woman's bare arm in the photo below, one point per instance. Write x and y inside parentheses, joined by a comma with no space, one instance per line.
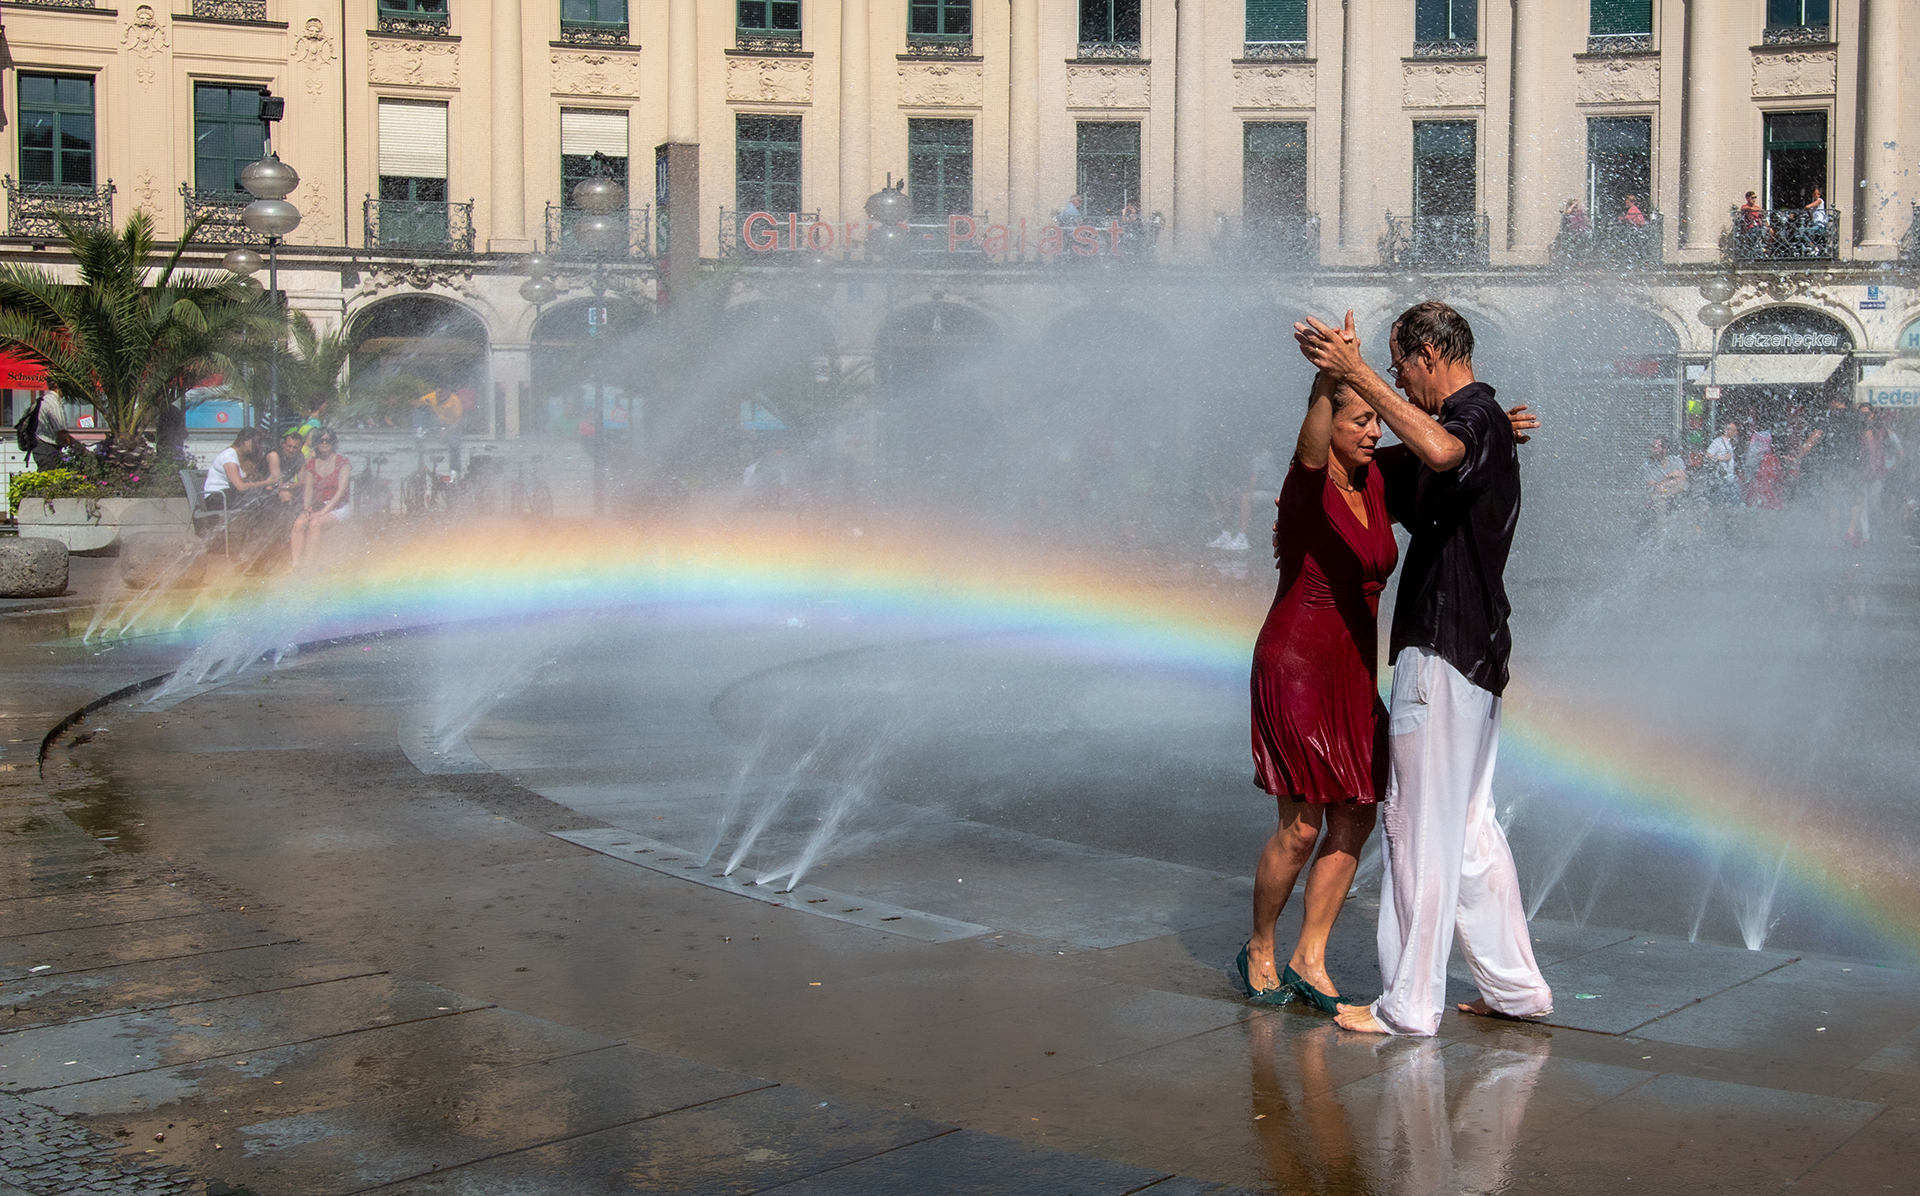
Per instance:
(1316,427)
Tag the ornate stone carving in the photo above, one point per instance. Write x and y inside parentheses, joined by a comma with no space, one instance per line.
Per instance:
(1273,86)
(1617,80)
(595,73)
(770,80)
(941,84)
(146,195)
(317,213)
(145,40)
(1116,85)
(314,51)
(455,276)
(1444,84)
(1794,73)
(413,63)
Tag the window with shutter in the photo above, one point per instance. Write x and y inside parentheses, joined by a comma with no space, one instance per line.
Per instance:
(584,133)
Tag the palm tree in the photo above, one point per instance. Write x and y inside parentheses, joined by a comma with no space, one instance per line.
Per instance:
(311,375)
(122,336)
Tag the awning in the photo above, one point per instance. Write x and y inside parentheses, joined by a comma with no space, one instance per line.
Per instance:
(1895,384)
(1775,369)
(18,373)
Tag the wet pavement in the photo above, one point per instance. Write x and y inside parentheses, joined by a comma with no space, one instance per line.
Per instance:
(278,938)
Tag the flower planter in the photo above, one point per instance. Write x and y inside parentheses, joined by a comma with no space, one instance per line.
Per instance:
(96,524)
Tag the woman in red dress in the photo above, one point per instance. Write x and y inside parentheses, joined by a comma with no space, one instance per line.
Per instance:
(1319,727)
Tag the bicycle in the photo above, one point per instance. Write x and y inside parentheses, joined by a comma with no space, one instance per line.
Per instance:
(373,494)
(423,488)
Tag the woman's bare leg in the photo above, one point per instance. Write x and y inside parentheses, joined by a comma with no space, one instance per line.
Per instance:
(1348,826)
(298,542)
(1286,852)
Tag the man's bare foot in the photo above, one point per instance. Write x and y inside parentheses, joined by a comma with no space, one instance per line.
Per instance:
(1360,1019)
(1479,1008)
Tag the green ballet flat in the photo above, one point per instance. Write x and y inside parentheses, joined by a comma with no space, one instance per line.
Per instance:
(1296,983)
(1266,996)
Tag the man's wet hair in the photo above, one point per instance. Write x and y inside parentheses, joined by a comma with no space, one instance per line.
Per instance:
(1434,323)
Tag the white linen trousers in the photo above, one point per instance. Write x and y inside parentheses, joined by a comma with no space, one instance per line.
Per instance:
(1448,866)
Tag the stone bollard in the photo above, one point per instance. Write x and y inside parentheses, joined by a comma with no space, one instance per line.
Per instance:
(32,567)
(149,559)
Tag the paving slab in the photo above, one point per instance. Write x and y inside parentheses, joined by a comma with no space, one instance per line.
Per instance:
(1632,982)
(1883,1157)
(74,1052)
(969,1163)
(71,911)
(409,1134)
(107,946)
(1831,1013)
(731,1147)
(53,997)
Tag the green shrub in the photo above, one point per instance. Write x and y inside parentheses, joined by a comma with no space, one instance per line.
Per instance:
(49,483)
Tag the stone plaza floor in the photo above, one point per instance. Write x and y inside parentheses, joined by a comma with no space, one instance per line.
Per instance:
(273,938)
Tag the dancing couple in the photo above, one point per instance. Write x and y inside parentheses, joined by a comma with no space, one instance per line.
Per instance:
(1325,746)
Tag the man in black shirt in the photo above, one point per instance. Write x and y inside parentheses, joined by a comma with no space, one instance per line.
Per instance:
(1454,484)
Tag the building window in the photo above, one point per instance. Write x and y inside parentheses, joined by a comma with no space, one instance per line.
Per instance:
(601,22)
(1619,26)
(1446,28)
(1619,166)
(227,135)
(766,163)
(1274,196)
(1445,177)
(1796,158)
(413,16)
(413,173)
(940,166)
(768,25)
(1108,168)
(1109,28)
(940,27)
(584,134)
(1791,21)
(56,131)
(1276,28)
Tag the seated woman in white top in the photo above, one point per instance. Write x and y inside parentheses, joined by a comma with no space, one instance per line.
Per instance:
(239,470)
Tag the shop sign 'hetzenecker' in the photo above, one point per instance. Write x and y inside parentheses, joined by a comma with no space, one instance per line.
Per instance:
(764,232)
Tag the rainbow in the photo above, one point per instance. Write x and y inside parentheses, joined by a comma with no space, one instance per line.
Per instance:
(942,580)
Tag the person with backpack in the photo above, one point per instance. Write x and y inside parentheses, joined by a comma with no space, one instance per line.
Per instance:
(41,431)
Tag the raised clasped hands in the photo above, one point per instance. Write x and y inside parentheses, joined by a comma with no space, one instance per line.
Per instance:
(1334,351)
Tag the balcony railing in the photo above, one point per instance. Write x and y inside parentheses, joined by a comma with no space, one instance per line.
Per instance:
(33,209)
(940,45)
(564,241)
(419,225)
(414,20)
(1620,43)
(1615,242)
(593,33)
(762,234)
(230,10)
(1910,244)
(1784,234)
(1265,51)
(1451,47)
(55,3)
(1436,240)
(1280,244)
(1795,35)
(222,210)
(1121,50)
(767,41)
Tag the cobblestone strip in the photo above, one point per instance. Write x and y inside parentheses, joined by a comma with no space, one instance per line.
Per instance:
(44,1154)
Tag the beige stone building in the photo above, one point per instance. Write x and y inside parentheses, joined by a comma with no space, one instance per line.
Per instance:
(1234,160)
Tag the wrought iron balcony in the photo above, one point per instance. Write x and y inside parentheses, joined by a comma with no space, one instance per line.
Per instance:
(1451,47)
(1615,242)
(1796,35)
(1443,241)
(1280,244)
(34,209)
(744,236)
(419,226)
(940,45)
(55,3)
(593,33)
(1620,43)
(230,10)
(419,17)
(1910,244)
(1121,50)
(767,41)
(565,238)
(1274,51)
(222,210)
(1784,234)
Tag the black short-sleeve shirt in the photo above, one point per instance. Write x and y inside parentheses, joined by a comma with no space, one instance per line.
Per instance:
(1453,595)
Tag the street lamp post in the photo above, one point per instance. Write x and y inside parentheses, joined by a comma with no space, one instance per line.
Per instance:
(270,181)
(1716,315)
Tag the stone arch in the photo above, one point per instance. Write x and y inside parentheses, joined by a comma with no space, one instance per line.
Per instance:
(407,345)
(581,377)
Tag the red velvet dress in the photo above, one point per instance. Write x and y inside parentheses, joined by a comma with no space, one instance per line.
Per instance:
(1319,726)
